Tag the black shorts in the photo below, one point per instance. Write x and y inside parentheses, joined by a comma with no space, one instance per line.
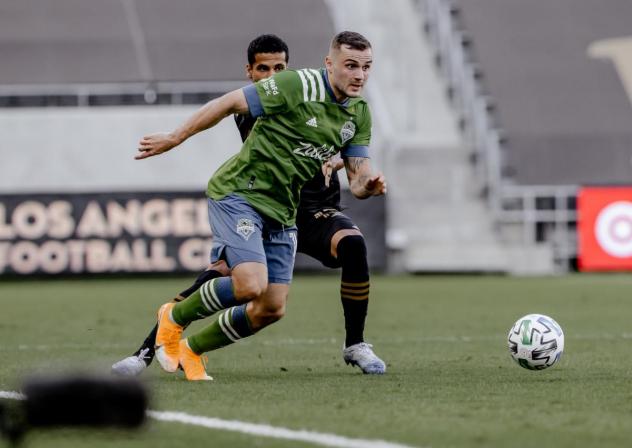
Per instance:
(315,230)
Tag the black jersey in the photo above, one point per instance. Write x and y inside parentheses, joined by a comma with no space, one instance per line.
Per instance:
(315,194)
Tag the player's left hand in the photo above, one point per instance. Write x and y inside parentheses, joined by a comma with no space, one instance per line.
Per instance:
(327,169)
(155,144)
(376,185)
(334,163)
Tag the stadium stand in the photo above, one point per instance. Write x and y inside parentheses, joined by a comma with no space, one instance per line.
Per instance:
(437,221)
(72,52)
(484,140)
(541,114)
(556,103)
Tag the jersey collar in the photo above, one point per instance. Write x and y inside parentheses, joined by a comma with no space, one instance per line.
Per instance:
(344,103)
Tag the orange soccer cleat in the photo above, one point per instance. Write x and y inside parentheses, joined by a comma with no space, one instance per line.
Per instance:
(168,339)
(194,365)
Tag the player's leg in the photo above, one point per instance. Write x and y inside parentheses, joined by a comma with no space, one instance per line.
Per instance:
(135,364)
(244,320)
(240,321)
(237,230)
(349,248)
(332,238)
(233,324)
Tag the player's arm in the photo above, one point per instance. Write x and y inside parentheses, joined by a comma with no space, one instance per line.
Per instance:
(336,163)
(332,165)
(206,117)
(362,181)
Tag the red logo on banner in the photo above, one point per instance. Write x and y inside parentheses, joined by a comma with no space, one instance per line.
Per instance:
(605,229)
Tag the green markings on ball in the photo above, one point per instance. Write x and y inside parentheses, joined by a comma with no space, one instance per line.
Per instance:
(525,329)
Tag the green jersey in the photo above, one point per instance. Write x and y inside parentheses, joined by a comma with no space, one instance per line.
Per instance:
(300,125)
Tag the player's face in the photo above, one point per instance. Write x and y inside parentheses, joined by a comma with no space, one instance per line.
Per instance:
(348,70)
(266,65)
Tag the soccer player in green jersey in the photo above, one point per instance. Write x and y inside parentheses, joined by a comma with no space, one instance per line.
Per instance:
(324,233)
(305,117)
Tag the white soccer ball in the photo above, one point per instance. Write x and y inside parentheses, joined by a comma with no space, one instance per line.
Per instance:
(536,341)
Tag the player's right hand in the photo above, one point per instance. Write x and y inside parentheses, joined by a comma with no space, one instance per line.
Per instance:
(327,169)
(376,185)
(155,144)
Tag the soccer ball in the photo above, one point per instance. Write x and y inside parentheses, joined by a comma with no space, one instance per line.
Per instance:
(536,341)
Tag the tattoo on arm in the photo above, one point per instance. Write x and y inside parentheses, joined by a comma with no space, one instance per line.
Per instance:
(358,172)
(353,164)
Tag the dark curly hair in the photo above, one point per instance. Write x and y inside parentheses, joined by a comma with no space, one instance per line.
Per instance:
(267,43)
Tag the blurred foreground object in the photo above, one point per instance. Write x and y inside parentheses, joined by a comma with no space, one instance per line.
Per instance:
(74,401)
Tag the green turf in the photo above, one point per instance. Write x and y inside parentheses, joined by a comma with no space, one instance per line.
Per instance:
(450,380)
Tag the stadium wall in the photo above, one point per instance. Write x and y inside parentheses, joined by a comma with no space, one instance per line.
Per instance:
(73,200)
(74,164)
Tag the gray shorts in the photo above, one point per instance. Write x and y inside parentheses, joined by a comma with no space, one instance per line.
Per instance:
(241,234)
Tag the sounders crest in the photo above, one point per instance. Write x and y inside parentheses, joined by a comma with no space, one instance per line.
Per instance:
(245,228)
(347,131)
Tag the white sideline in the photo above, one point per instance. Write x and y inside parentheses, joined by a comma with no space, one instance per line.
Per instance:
(317,438)
(11,395)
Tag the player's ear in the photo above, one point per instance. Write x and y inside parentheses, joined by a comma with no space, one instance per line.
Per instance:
(328,63)
(249,71)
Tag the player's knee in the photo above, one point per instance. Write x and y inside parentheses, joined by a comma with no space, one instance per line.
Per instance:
(266,313)
(249,288)
(273,314)
(352,247)
(352,255)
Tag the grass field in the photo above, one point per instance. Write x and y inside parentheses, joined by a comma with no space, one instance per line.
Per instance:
(450,380)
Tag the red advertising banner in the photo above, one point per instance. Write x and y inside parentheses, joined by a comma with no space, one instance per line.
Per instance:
(605,228)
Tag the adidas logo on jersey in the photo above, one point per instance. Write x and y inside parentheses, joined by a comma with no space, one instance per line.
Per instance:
(312,122)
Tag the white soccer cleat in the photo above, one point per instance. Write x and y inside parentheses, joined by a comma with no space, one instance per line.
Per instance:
(362,355)
(131,366)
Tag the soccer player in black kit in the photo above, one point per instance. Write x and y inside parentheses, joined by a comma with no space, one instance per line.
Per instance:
(324,233)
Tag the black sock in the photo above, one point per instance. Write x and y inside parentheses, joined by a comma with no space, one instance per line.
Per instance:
(354,287)
(150,341)
(355,315)
(148,346)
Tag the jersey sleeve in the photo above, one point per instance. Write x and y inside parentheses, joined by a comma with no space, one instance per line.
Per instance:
(274,95)
(359,144)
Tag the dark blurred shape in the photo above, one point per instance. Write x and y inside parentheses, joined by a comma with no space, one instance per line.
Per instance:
(85,401)
(75,401)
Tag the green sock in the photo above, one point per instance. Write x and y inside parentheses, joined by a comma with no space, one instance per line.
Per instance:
(209,338)
(214,295)
(232,325)
(190,309)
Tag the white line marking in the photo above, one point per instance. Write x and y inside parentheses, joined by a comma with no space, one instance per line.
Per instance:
(317,438)
(256,429)
(11,395)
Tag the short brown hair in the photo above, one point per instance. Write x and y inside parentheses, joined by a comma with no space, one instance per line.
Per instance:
(355,40)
